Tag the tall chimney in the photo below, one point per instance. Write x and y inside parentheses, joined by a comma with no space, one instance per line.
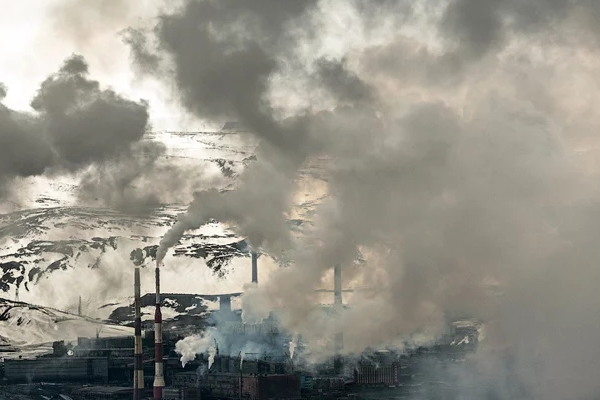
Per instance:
(79,308)
(138,373)
(254,267)
(337,286)
(337,304)
(159,380)
(225,303)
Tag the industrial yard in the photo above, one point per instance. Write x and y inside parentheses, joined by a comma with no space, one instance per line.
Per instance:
(122,367)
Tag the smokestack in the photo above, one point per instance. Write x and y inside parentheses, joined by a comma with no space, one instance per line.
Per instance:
(79,308)
(254,267)
(337,287)
(138,373)
(159,380)
(337,305)
(225,303)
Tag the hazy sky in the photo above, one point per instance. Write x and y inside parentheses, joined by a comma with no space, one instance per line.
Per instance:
(36,36)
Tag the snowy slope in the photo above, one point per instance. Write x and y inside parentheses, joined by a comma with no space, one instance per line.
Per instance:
(55,249)
(34,328)
(188,313)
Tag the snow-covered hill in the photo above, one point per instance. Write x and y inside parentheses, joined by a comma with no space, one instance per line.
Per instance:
(55,249)
(185,312)
(37,243)
(27,330)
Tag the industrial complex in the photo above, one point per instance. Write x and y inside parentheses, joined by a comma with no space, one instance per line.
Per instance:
(147,366)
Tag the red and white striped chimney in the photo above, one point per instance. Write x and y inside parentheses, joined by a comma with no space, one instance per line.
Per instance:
(159,380)
(138,374)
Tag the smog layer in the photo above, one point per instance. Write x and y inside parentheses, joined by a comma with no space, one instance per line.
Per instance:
(455,144)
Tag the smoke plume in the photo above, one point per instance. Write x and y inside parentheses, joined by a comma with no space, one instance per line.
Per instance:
(192,345)
(244,62)
(82,129)
(455,165)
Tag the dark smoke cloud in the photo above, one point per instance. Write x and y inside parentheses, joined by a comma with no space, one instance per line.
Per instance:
(81,122)
(80,127)
(447,189)
(225,74)
(22,152)
(483,26)
(345,85)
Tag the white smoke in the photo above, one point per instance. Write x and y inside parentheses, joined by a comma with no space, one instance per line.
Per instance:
(195,344)
(292,347)
(212,352)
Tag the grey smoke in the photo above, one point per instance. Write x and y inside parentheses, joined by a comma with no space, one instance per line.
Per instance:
(226,75)
(446,189)
(23,154)
(83,123)
(143,57)
(80,127)
(483,26)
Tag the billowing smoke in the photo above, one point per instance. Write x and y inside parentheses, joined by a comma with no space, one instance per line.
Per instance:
(245,59)
(453,167)
(196,344)
(231,340)
(82,129)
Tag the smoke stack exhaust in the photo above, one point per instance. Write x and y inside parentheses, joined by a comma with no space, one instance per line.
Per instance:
(254,267)
(337,305)
(138,378)
(159,380)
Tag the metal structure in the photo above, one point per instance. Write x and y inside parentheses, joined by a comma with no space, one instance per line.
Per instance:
(254,267)
(337,303)
(138,374)
(388,375)
(159,380)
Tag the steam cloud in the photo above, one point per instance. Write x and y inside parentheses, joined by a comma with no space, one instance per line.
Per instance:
(192,345)
(453,167)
